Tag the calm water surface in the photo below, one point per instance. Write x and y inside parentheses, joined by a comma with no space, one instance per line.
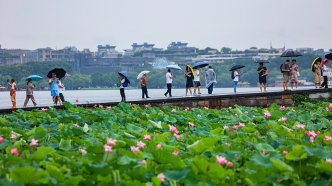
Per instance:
(43,98)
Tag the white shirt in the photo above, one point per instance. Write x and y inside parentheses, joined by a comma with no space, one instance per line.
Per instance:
(122,81)
(325,70)
(168,78)
(236,76)
(196,77)
(59,88)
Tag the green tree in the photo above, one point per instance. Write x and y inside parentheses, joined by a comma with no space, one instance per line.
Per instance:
(97,79)
(330,50)
(226,50)
(253,47)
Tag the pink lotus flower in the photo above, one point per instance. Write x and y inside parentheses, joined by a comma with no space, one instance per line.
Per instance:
(100,106)
(82,151)
(95,105)
(312,133)
(264,152)
(158,146)
(242,125)
(227,144)
(175,153)
(300,126)
(234,127)
(172,128)
(140,144)
(288,130)
(256,132)
(246,112)
(143,162)
(227,111)
(236,115)
(176,131)
(176,136)
(109,107)
(108,148)
(174,111)
(327,138)
(13,136)
(230,164)
(328,160)
(147,137)
(191,124)
(43,109)
(134,149)
(283,119)
(220,160)
(285,152)
(77,100)
(198,115)
(330,105)
(327,109)
(14,152)
(282,108)
(206,108)
(75,125)
(231,133)
(226,127)
(305,133)
(34,142)
(146,106)
(267,115)
(111,141)
(311,139)
(1,139)
(149,104)
(318,133)
(161,177)
(293,110)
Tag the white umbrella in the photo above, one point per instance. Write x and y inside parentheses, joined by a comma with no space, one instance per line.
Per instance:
(142,73)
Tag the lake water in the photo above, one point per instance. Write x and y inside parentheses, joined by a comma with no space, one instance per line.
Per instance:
(43,98)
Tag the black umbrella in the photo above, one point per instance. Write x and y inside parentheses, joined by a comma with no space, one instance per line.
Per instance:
(329,56)
(236,66)
(262,61)
(59,72)
(291,53)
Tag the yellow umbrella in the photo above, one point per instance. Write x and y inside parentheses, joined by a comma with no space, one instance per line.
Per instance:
(191,69)
(312,65)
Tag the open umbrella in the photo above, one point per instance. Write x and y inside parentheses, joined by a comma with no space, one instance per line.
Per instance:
(175,67)
(142,73)
(200,64)
(291,53)
(34,78)
(125,75)
(329,56)
(59,72)
(325,61)
(67,75)
(236,66)
(262,61)
(313,63)
(192,71)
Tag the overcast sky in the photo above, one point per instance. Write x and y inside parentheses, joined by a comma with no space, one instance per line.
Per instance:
(238,24)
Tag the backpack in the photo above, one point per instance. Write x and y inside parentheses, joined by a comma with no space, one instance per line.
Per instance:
(281,68)
(233,75)
(125,84)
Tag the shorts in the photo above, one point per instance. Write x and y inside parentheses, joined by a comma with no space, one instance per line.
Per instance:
(286,78)
(197,84)
(54,93)
(262,79)
(13,97)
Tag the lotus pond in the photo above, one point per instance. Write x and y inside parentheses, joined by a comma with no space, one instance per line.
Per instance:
(127,145)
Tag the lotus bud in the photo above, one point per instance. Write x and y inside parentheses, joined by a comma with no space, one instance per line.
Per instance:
(208,168)
(95,140)
(101,131)
(49,129)
(72,147)
(318,132)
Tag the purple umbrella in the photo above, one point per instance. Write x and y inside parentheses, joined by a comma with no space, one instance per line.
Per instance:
(67,75)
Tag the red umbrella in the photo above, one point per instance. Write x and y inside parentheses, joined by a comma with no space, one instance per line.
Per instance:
(325,61)
(67,75)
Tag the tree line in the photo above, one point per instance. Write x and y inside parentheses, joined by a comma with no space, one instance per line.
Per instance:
(156,78)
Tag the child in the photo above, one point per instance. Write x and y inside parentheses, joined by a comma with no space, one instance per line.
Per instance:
(236,78)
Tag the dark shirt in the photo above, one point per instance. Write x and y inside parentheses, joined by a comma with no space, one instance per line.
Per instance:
(285,67)
(262,72)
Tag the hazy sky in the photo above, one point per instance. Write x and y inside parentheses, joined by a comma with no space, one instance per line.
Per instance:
(238,24)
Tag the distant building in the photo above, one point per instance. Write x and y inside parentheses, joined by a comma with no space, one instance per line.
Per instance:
(144,46)
(319,52)
(305,50)
(181,47)
(107,51)
(128,52)
(148,55)
(280,50)
(160,63)
(29,56)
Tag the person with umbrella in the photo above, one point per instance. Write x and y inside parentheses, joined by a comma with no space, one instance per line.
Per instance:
(144,86)
(29,93)
(197,80)
(317,68)
(325,72)
(210,78)
(53,82)
(60,89)
(169,79)
(189,75)
(12,92)
(294,69)
(122,80)
(262,71)
(236,78)
(285,73)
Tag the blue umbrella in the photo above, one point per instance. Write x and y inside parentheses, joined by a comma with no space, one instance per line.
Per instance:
(34,78)
(125,75)
(175,67)
(200,64)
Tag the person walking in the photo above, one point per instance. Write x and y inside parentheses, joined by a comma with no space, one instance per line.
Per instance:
(53,82)
(293,74)
(236,78)
(318,74)
(12,92)
(169,79)
(60,89)
(261,71)
(189,83)
(325,73)
(197,82)
(144,86)
(285,73)
(210,78)
(122,93)
(29,93)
